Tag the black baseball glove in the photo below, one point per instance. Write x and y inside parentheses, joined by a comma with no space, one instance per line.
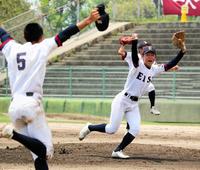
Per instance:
(103,22)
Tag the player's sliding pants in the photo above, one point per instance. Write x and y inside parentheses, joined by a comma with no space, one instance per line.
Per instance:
(124,106)
(28,117)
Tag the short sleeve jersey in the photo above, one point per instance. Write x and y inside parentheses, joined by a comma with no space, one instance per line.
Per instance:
(139,78)
(27,65)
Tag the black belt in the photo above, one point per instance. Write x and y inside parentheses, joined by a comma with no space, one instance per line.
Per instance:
(29,93)
(133,98)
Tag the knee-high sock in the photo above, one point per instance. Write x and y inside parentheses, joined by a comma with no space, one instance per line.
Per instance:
(152,96)
(32,144)
(127,139)
(41,164)
(98,128)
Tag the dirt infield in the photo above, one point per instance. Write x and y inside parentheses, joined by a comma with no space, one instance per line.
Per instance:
(156,148)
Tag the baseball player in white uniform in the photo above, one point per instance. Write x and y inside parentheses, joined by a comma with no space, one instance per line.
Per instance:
(26,71)
(151,88)
(125,103)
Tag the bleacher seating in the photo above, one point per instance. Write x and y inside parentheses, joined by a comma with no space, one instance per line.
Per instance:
(98,71)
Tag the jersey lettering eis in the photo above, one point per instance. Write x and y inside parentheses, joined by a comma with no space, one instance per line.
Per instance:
(27,65)
(139,78)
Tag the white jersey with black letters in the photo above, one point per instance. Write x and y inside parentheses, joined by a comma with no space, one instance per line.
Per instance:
(139,78)
(125,103)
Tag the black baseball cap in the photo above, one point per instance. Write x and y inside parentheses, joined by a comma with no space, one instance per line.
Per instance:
(149,49)
(142,44)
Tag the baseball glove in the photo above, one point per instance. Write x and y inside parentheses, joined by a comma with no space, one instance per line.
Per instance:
(178,40)
(125,40)
(103,22)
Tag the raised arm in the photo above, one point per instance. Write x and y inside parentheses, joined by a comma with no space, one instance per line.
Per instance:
(174,61)
(94,16)
(135,57)
(178,39)
(133,40)
(73,29)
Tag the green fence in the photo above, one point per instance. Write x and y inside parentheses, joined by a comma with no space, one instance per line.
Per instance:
(106,82)
(171,110)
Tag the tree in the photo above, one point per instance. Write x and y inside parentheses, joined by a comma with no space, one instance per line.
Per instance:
(14,15)
(60,13)
(158,5)
(128,10)
(11,8)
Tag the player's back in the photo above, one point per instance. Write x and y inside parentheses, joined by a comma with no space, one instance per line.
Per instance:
(27,65)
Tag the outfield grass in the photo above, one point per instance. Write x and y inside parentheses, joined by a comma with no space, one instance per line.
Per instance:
(172,111)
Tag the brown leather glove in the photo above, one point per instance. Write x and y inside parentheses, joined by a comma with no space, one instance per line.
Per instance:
(178,40)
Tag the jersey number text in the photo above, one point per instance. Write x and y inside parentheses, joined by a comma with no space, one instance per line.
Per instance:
(21,61)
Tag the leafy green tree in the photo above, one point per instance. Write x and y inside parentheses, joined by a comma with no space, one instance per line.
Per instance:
(148,9)
(60,13)
(12,8)
(121,10)
(14,15)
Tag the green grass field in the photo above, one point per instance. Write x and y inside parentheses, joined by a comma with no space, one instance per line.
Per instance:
(172,111)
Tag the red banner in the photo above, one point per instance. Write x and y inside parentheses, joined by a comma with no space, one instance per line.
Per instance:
(171,7)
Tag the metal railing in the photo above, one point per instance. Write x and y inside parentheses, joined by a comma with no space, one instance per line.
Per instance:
(106,82)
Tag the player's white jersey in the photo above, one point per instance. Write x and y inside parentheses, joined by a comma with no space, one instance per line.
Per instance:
(139,78)
(27,65)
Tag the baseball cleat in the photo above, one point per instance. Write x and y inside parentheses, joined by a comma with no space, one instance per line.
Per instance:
(7,131)
(120,155)
(154,111)
(84,132)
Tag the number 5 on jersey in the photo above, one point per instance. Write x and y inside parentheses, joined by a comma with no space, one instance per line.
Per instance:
(21,61)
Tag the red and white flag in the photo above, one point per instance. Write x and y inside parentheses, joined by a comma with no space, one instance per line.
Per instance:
(171,7)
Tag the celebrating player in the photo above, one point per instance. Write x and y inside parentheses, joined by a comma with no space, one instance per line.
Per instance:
(141,44)
(151,87)
(26,71)
(126,102)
